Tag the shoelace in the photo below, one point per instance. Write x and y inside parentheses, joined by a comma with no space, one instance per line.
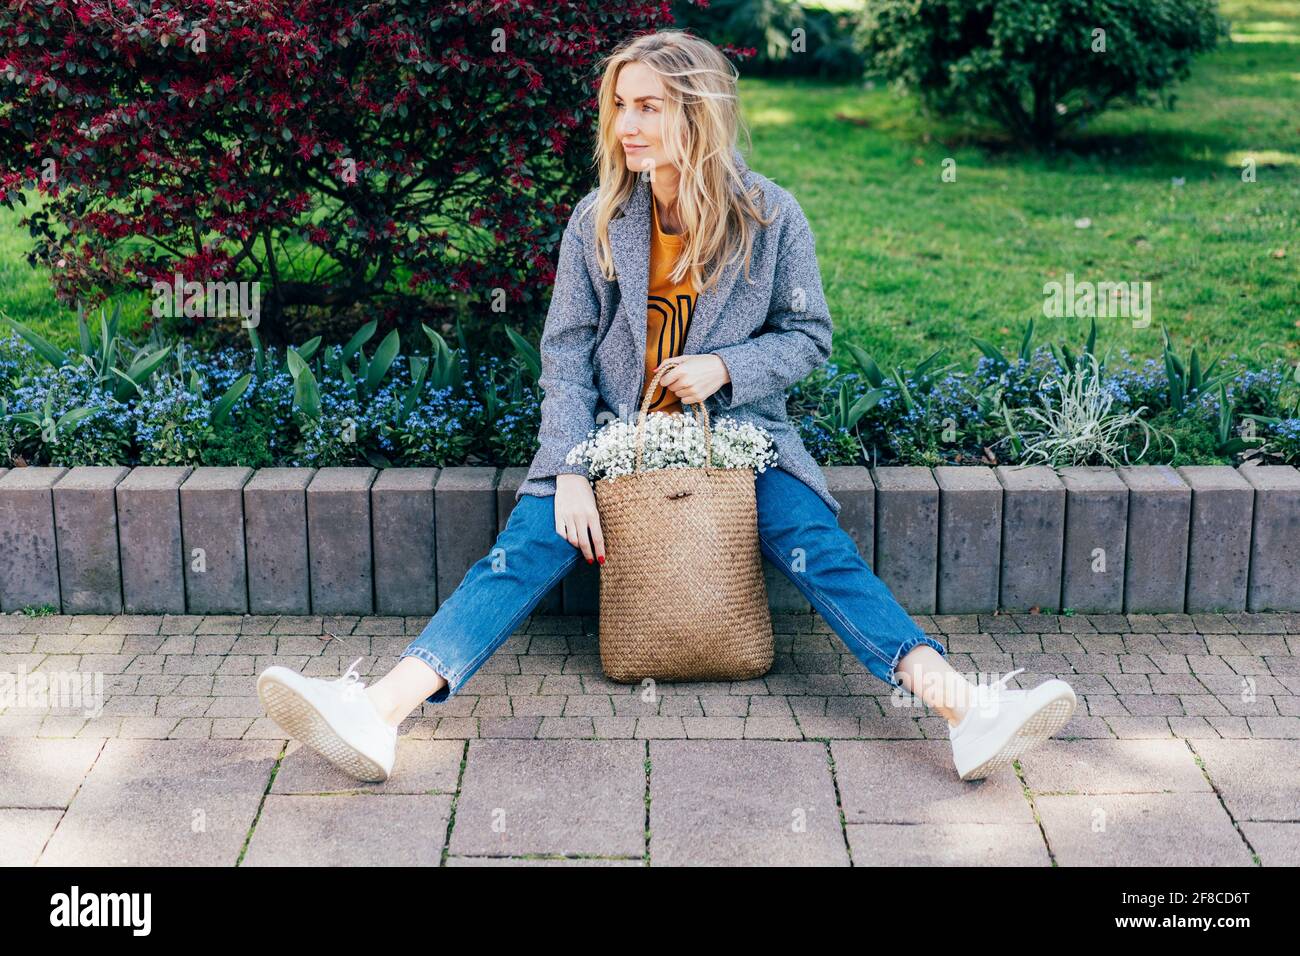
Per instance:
(351,681)
(987,694)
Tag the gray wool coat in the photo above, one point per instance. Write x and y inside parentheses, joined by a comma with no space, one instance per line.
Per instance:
(770,334)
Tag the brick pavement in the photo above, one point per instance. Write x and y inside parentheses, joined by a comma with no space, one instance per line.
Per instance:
(541,759)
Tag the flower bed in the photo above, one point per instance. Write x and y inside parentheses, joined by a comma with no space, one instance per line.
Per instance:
(114,402)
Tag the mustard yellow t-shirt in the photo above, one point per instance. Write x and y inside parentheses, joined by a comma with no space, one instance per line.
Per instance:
(670,306)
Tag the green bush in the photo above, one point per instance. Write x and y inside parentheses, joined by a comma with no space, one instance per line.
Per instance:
(786,38)
(1036,67)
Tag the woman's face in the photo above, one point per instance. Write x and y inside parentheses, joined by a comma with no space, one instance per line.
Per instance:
(638,105)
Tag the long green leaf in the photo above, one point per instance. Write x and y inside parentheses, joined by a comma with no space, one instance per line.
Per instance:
(359,338)
(992,352)
(259,353)
(419,366)
(221,409)
(124,386)
(863,405)
(383,360)
(137,373)
(1026,351)
(43,348)
(308,348)
(73,416)
(306,395)
(868,365)
(531,358)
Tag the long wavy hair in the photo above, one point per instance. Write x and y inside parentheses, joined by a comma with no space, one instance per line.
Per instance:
(701,118)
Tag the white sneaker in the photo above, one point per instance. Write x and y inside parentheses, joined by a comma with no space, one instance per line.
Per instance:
(1006,723)
(335,718)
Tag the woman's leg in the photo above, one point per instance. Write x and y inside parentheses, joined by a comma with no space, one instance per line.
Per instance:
(499,590)
(800,533)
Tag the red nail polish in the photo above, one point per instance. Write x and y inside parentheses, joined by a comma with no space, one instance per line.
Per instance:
(601,559)
(589,560)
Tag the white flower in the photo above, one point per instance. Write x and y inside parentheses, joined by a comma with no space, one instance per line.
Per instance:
(672,440)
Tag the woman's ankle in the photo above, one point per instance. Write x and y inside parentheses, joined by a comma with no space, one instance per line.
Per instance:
(388,711)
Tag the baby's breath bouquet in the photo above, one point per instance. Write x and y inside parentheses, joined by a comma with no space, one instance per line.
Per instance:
(672,440)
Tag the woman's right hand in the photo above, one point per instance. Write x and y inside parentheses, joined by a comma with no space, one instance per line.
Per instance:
(576,515)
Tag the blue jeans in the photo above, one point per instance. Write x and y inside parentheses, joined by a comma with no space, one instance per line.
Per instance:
(797,531)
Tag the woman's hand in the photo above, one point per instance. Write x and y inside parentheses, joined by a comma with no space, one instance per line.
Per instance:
(576,515)
(693,378)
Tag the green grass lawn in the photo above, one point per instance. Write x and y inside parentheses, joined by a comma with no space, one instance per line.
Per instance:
(911,263)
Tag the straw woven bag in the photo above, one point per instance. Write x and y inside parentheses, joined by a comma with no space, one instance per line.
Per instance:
(682,595)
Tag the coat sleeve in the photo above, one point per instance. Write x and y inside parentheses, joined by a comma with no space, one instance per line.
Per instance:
(796,337)
(568,374)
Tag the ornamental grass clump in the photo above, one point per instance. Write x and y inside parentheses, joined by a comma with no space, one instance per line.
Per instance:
(672,440)
(1080,428)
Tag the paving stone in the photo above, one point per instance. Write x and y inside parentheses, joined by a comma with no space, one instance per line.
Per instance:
(1147,829)
(180,623)
(1277,844)
(1138,728)
(43,773)
(169,803)
(1258,779)
(879,782)
(539,861)
(147,728)
(560,727)
(736,803)
(720,728)
(341,831)
(192,728)
(23,833)
(571,797)
(1114,766)
(947,844)
(1151,698)
(232,728)
(1191,728)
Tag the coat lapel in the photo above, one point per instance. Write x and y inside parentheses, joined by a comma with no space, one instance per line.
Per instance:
(629,242)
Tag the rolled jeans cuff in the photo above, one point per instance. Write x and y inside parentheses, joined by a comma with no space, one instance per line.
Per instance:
(907,645)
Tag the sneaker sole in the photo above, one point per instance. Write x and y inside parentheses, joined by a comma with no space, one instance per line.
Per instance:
(304,723)
(1040,725)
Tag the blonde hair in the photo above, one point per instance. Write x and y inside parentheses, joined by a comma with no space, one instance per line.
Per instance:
(701,118)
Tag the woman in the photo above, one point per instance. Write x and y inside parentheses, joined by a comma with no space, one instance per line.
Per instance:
(662,283)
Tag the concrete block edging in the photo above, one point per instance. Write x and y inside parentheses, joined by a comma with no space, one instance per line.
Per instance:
(397,541)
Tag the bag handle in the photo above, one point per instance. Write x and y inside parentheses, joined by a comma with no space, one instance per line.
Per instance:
(701,416)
